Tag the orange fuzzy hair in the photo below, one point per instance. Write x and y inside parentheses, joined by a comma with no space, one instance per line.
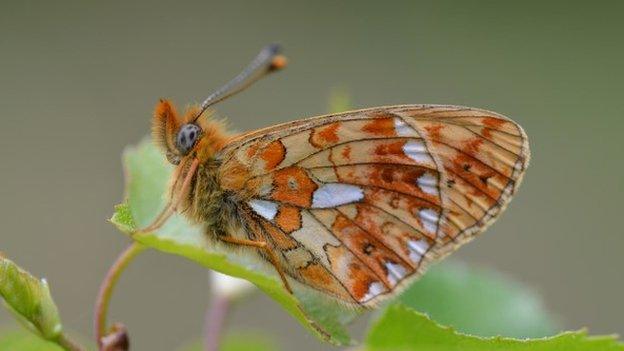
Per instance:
(165,126)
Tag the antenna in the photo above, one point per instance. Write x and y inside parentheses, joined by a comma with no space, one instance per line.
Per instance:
(267,61)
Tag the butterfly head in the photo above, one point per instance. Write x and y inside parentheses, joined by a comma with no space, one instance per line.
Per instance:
(186,135)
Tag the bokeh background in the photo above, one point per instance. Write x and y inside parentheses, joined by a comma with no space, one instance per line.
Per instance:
(78,81)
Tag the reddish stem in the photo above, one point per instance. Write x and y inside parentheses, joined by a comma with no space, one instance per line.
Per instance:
(107,287)
(215,321)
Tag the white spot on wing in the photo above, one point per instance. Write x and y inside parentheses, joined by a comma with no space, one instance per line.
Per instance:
(336,194)
(376,288)
(396,272)
(421,246)
(416,150)
(266,209)
(403,129)
(429,219)
(428,183)
(417,249)
(415,257)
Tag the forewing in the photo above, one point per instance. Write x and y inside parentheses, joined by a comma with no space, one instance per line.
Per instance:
(359,202)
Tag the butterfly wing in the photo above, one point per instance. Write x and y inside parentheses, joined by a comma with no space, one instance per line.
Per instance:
(358,203)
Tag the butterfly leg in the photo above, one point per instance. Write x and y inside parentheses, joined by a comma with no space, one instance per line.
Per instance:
(261,245)
(172,205)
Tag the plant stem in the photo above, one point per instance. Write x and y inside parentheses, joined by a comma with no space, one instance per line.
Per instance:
(107,286)
(215,320)
(68,344)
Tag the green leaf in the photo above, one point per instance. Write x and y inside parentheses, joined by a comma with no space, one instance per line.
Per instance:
(29,299)
(23,341)
(403,329)
(240,341)
(248,342)
(147,175)
(479,301)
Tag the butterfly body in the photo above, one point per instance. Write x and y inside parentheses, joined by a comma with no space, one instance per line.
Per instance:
(356,204)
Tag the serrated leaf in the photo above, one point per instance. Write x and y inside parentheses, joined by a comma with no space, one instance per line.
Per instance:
(29,299)
(401,328)
(147,176)
(24,341)
(479,301)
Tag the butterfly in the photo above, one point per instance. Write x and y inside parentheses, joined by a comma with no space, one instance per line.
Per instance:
(356,204)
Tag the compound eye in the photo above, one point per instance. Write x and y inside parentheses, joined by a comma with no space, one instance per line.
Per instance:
(187,137)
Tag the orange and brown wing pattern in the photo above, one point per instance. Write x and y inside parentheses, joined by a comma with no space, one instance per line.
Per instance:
(483,156)
(357,203)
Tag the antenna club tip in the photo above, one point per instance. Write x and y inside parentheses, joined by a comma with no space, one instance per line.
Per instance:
(278,62)
(273,48)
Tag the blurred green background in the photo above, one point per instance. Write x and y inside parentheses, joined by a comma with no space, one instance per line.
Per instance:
(78,81)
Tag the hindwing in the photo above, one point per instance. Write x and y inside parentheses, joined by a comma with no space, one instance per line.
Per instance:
(358,203)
